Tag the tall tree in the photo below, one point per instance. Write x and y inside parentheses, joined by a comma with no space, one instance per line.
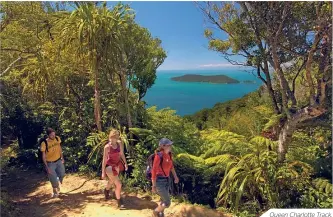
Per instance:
(264,33)
(245,38)
(145,54)
(95,27)
(138,55)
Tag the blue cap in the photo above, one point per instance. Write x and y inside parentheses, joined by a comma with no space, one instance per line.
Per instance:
(165,141)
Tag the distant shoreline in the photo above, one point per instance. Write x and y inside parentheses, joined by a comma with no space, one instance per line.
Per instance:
(215,79)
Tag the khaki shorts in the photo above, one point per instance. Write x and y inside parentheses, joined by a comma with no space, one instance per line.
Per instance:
(109,173)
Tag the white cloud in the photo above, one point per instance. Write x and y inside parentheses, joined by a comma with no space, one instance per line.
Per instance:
(216,65)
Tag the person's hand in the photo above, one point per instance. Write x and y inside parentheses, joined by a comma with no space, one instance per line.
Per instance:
(126,167)
(48,170)
(103,176)
(176,179)
(153,189)
(62,160)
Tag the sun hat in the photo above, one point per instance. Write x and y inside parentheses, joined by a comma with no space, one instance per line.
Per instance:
(165,141)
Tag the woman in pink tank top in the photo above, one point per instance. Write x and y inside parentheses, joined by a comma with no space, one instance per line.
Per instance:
(113,157)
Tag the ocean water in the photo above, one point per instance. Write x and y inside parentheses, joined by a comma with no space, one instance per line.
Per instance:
(187,98)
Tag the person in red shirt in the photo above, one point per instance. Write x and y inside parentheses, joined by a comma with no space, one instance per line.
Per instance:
(113,154)
(161,174)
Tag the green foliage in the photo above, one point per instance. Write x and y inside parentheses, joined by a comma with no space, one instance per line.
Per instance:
(250,168)
(55,62)
(319,195)
(245,116)
(52,82)
(273,121)
(313,147)
(164,123)
(222,142)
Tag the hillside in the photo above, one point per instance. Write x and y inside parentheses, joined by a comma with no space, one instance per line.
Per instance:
(216,79)
(84,70)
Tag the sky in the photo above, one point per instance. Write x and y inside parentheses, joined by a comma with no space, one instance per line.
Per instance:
(180,26)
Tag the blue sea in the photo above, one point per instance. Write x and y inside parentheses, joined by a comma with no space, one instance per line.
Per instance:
(188,98)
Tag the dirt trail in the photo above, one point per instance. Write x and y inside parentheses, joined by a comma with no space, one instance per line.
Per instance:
(31,193)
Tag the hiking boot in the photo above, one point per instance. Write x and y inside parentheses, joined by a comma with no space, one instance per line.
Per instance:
(106,194)
(158,214)
(120,203)
(113,195)
(55,195)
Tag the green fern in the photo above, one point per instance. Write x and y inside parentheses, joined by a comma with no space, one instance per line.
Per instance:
(323,185)
(218,164)
(191,161)
(97,141)
(222,142)
(273,121)
(263,143)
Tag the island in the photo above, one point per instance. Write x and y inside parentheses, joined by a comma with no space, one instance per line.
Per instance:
(216,79)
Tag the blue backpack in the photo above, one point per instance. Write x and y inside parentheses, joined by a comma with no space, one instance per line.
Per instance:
(150,162)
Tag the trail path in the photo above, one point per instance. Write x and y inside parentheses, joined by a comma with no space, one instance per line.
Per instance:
(31,193)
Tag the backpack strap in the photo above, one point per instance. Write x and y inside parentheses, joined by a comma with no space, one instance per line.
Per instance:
(46,146)
(161,161)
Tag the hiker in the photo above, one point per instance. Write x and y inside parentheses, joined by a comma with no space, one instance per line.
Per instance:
(160,175)
(113,160)
(53,160)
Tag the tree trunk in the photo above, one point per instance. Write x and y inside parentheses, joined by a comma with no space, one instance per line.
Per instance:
(308,68)
(290,93)
(268,81)
(123,82)
(282,80)
(290,125)
(97,100)
(324,69)
(270,88)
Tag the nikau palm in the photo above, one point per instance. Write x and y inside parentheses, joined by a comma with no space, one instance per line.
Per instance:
(96,28)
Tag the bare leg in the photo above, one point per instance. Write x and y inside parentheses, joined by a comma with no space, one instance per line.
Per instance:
(160,208)
(109,184)
(118,187)
(113,180)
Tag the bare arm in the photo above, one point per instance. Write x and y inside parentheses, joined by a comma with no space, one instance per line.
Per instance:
(106,150)
(44,159)
(122,155)
(48,170)
(156,164)
(61,155)
(174,172)
(43,150)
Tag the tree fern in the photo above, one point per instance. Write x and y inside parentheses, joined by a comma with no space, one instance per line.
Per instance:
(97,141)
(191,161)
(218,164)
(263,143)
(323,185)
(222,142)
